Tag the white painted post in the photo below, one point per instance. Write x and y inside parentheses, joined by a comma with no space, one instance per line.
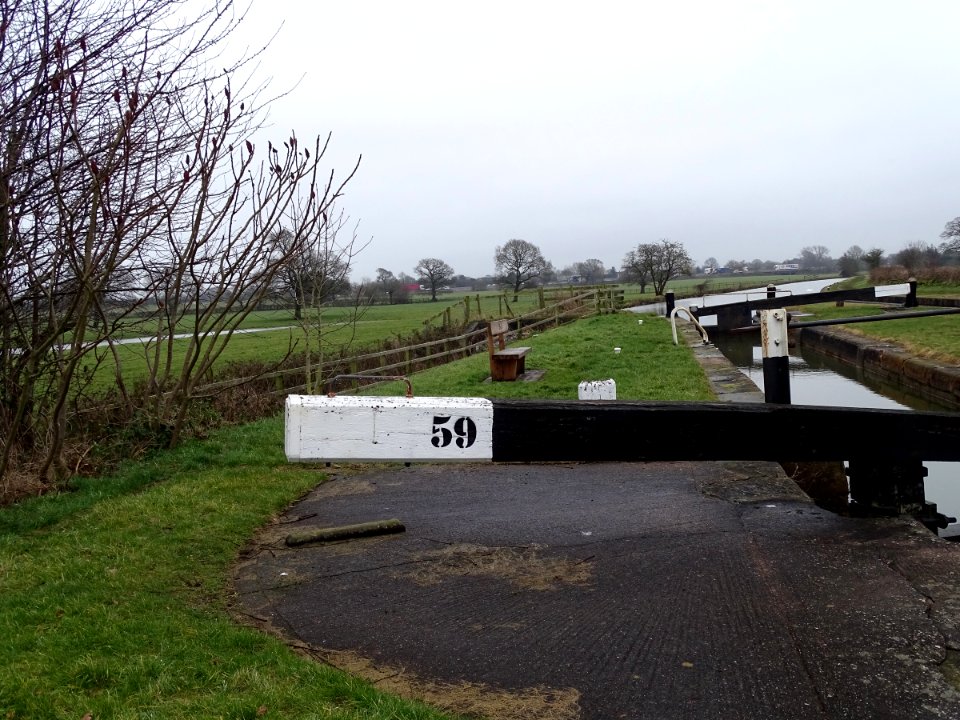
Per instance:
(597,390)
(384,429)
(776,356)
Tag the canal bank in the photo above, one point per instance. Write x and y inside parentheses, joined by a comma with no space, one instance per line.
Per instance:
(934,380)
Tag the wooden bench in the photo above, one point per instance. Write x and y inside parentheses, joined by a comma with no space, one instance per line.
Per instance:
(505,363)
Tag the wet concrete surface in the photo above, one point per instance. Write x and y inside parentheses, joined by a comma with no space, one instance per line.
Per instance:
(649,590)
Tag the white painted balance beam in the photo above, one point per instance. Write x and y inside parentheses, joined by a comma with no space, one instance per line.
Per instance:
(383,429)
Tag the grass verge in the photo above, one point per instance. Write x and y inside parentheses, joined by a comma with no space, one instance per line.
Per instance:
(649,366)
(120,609)
(936,337)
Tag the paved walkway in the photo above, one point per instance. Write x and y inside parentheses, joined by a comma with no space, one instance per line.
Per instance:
(659,590)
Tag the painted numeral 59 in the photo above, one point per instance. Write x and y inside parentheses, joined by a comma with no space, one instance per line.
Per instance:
(463,429)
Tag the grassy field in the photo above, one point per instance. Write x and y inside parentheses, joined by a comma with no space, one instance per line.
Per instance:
(374,324)
(649,366)
(933,337)
(115,599)
(379,322)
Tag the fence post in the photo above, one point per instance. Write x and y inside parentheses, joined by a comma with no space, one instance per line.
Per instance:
(776,356)
(670,298)
(911,300)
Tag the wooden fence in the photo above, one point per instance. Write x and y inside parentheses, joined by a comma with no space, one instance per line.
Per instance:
(467,338)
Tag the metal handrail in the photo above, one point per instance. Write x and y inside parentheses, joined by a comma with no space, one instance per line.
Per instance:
(693,319)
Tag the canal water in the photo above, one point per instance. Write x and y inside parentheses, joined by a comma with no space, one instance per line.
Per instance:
(823,381)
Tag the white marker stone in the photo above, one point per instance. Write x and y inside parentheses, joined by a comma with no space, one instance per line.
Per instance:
(418,429)
(597,389)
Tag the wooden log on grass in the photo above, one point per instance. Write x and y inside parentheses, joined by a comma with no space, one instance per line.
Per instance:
(345,532)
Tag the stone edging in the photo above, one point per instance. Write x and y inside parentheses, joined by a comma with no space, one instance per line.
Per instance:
(932,380)
(726,380)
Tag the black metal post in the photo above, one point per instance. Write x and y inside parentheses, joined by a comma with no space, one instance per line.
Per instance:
(669,297)
(771,291)
(911,299)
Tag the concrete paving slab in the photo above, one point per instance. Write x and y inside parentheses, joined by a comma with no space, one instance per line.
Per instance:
(620,590)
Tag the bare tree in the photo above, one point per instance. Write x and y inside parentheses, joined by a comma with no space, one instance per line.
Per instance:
(592,270)
(873,258)
(318,267)
(951,236)
(657,263)
(389,284)
(851,261)
(128,170)
(316,274)
(816,257)
(520,262)
(637,264)
(433,272)
(918,255)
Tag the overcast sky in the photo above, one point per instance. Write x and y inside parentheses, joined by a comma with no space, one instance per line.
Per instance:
(740,129)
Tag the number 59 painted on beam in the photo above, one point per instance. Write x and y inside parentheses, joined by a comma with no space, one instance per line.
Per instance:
(420,429)
(463,427)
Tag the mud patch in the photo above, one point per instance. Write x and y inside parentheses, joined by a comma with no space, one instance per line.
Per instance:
(474,700)
(950,668)
(463,698)
(524,567)
(343,487)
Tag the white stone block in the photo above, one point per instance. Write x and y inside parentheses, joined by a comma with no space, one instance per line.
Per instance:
(355,428)
(597,390)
